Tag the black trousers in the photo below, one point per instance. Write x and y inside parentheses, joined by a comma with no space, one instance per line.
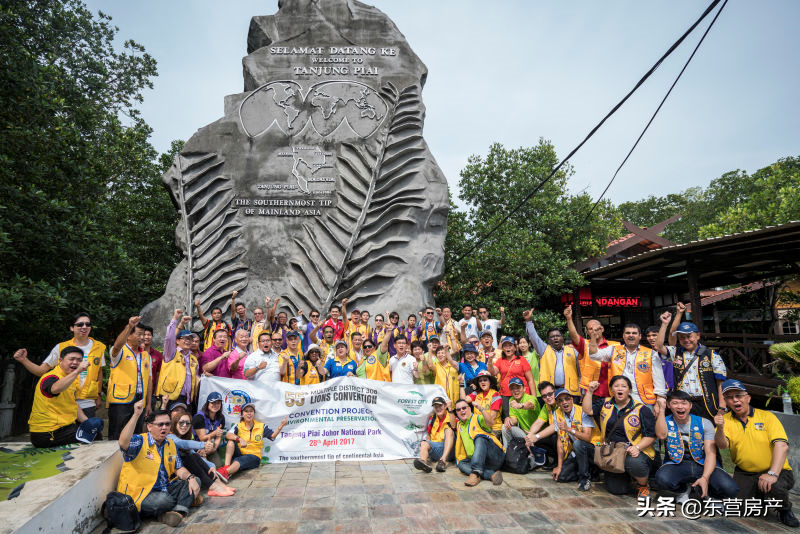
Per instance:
(748,486)
(197,467)
(60,436)
(118,416)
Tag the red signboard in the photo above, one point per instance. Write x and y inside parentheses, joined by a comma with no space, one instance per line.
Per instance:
(602,301)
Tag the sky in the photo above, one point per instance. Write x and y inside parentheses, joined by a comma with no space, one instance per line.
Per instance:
(512,72)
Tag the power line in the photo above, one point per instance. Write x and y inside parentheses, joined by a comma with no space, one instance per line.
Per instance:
(591,133)
(655,113)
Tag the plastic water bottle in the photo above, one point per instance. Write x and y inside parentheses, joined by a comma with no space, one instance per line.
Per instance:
(787,403)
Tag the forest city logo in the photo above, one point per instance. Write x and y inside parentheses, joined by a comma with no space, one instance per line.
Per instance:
(233,400)
(412,403)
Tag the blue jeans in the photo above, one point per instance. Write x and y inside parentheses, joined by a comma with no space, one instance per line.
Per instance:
(246,461)
(177,498)
(437,449)
(577,467)
(486,458)
(677,477)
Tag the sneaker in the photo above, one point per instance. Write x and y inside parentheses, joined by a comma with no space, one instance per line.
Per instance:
(422,465)
(222,493)
(683,497)
(472,480)
(788,518)
(441,466)
(222,474)
(171,518)
(644,491)
(585,485)
(497,478)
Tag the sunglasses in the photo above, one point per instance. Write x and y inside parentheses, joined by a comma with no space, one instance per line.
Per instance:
(369,346)
(160,424)
(545,395)
(314,315)
(184,423)
(81,325)
(277,339)
(462,409)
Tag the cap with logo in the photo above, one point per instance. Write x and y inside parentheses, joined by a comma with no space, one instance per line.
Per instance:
(438,400)
(687,327)
(562,391)
(732,384)
(214,396)
(507,339)
(469,347)
(516,381)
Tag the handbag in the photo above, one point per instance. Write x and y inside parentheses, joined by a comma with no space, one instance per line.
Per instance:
(611,456)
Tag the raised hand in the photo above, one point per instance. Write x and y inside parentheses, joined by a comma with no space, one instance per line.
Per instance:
(266,300)
(133,321)
(197,302)
(177,314)
(138,407)
(680,307)
(527,314)
(345,301)
(185,319)
(502,310)
(594,385)
(234,294)
(568,312)
(21,355)
(666,317)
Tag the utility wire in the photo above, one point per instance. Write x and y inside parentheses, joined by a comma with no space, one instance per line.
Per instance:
(644,78)
(655,113)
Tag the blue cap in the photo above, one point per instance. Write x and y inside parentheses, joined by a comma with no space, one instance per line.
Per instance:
(687,327)
(89,429)
(177,404)
(732,384)
(214,396)
(560,391)
(469,347)
(185,333)
(292,333)
(507,339)
(516,381)
(539,455)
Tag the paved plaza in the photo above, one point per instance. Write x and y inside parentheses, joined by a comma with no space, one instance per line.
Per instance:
(392,497)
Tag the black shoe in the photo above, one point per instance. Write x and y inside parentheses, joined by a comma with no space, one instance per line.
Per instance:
(441,466)
(422,466)
(584,485)
(788,518)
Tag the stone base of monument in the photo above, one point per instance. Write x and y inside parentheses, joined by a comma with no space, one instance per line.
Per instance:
(791,423)
(68,502)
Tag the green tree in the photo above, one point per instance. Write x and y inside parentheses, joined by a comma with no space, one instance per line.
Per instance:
(772,197)
(527,261)
(84,221)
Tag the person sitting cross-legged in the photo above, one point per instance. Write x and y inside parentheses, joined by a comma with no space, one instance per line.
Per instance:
(439,443)
(479,453)
(152,473)
(246,442)
(691,457)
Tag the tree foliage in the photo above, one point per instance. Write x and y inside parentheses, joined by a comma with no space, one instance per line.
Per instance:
(85,223)
(527,261)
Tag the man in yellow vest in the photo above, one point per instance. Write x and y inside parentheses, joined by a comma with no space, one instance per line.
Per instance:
(91,379)
(55,412)
(178,380)
(129,380)
(479,453)
(573,451)
(152,473)
(558,363)
(640,364)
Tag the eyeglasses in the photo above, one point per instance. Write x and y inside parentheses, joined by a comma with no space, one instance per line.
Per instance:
(279,339)
(462,409)
(160,424)
(81,325)
(314,315)
(184,423)
(545,395)
(428,313)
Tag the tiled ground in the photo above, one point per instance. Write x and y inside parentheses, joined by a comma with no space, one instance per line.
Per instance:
(389,497)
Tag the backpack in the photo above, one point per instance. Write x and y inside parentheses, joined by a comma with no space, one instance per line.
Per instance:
(120,513)
(517,454)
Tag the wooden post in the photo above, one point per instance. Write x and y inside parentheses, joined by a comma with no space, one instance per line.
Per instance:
(694,297)
(716,319)
(576,310)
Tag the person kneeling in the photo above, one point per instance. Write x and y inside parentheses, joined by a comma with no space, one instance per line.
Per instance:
(623,420)
(691,457)
(246,442)
(152,473)
(54,404)
(574,451)
(479,453)
(439,443)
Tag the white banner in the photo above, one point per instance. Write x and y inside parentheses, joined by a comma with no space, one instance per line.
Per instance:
(345,418)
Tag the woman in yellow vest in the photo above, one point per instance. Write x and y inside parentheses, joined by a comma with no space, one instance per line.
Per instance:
(444,370)
(55,414)
(624,420)
(129,380)
(479,454)
(375,364)
(310,370)
(152,473)
(485,395)
(246,442)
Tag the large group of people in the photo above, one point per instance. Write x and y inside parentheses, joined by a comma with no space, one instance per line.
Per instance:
(633,413)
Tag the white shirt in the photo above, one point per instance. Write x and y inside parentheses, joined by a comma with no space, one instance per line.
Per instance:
(656,369)
(269,374)
(472,326)
(402,369)
(52,361)
(491,325)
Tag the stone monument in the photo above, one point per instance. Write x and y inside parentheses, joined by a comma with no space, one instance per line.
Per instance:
(316,184)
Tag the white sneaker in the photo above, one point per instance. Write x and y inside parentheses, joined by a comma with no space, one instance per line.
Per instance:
(683,497)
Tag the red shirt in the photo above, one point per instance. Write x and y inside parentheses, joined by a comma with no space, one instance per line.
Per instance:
(338,328)
(601,391)
(510,369)
(155,365)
